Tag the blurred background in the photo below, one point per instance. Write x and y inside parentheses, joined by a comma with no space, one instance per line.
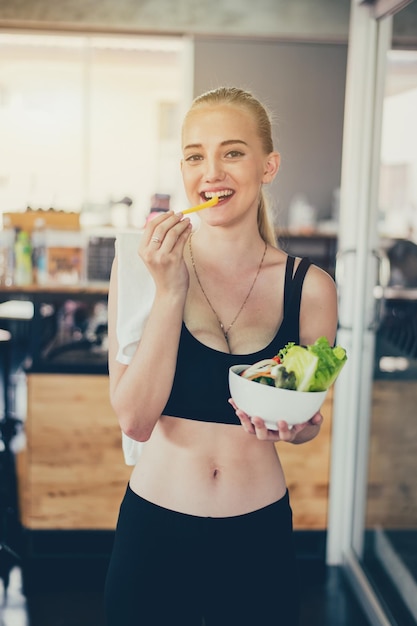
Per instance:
(92,97)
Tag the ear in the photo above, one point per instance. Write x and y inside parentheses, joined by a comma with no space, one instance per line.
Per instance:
(272,164)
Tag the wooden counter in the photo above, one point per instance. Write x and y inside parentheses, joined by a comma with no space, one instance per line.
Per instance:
(72,474)
(307,470)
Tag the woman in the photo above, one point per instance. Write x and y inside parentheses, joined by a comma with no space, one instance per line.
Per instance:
(205,529)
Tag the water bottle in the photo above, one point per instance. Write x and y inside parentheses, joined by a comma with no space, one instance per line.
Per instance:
(39,254)
(7,242)
(23,259)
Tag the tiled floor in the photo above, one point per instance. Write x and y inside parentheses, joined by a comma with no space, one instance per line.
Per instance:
(327,601)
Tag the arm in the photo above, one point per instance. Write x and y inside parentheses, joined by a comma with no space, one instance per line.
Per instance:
(318,312)
(140,390)
(318,318)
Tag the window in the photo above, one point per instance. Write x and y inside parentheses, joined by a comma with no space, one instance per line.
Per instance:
(87,121)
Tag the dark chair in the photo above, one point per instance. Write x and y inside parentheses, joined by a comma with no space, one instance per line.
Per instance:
(9,510)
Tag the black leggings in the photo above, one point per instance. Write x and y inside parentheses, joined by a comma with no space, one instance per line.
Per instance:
(173,569)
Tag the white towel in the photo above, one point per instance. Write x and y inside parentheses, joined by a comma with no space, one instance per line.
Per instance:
(136,292)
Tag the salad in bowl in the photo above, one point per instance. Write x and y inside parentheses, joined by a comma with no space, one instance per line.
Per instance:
(290,386)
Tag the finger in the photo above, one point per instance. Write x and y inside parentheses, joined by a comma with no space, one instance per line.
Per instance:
(317,419)
(246,422)
(162,230)
(244,418)
(177,234)
(157,229)
(153,228)
(261,430)
(152,235)
(287,432)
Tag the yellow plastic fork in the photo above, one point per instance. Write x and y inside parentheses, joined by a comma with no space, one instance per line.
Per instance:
(204,205)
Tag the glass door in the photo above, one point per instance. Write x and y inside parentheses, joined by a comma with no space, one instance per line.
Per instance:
(389,554)
(373,504)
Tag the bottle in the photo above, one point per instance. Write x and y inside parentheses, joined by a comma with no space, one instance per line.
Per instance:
(39,253)
(7,241)
(23,259)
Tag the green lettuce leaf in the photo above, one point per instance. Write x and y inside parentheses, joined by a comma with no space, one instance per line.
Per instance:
(316,366)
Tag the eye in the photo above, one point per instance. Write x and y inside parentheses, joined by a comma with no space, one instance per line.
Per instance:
(234,154)
(193,157)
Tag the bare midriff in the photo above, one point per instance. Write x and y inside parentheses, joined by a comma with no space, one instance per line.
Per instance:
(207,469)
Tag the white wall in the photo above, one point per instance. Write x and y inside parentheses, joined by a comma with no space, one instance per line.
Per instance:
(303,84)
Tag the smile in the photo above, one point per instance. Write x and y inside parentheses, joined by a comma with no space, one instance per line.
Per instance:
(224,193)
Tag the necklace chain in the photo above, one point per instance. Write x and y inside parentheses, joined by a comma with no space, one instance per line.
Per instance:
(225,331)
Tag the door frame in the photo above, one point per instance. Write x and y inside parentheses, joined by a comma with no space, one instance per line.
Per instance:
(356,271)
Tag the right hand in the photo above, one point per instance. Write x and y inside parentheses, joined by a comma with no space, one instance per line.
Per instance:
(162,250)
(297,433)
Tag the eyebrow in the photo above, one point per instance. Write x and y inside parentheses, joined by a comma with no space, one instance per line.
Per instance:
(227,142)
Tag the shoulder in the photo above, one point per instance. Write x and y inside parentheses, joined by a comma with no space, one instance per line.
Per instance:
(318,280)
(318,315)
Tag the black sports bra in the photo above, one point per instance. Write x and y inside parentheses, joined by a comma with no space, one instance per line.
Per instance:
(200,390)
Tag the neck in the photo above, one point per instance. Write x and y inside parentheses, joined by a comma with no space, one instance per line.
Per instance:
(239,250)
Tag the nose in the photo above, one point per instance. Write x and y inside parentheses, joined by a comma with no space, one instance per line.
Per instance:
(214,170)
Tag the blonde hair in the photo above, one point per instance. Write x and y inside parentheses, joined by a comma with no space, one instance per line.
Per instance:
(244,99)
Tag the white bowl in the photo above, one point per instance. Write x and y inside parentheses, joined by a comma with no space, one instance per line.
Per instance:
(273,404)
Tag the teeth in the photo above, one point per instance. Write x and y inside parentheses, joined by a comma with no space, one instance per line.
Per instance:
(220,194)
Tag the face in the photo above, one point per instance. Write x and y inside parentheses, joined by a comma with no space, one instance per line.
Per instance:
(223,156)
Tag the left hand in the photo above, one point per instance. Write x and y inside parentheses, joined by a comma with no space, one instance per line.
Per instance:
(256,426)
